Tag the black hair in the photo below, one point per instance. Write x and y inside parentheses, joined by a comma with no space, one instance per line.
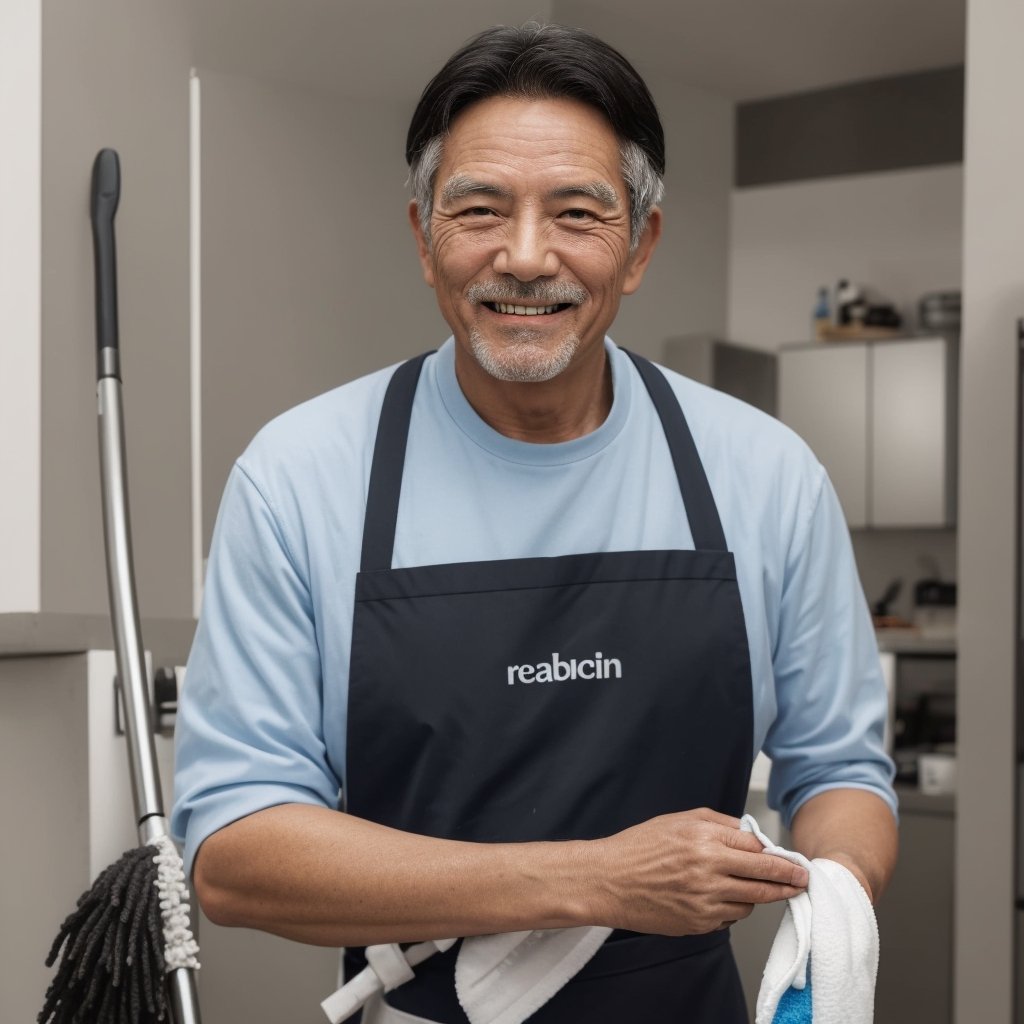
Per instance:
(547,61)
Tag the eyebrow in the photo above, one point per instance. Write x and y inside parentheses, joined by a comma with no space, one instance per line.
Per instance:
(599,191)
(461,185)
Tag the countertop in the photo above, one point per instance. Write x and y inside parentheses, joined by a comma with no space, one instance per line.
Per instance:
(912,641)
(913,801)
(36,634)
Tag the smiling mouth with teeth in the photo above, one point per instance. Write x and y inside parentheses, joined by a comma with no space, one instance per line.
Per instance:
(507,307)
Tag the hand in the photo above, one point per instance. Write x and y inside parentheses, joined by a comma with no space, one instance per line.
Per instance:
(687,874)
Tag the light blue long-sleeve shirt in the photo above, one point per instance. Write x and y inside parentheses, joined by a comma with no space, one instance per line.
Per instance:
(263,713)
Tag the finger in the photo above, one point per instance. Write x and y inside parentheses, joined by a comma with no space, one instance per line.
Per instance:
(765,867)
(741,890)
(737,839)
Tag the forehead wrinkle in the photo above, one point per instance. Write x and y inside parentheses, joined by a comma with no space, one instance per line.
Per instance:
(600,191)
(461,185)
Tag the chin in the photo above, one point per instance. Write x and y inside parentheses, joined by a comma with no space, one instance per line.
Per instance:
(522,360)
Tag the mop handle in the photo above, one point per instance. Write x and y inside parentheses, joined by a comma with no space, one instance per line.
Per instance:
(131,662)
(105,195)
(124,610)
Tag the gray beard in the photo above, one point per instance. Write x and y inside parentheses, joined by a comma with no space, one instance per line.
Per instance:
(523,361)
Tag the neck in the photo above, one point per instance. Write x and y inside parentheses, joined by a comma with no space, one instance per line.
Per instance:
(573,404)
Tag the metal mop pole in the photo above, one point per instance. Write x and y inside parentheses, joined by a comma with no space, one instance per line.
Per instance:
(131,663)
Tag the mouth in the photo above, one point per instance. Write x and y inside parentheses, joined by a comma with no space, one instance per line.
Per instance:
(517,309)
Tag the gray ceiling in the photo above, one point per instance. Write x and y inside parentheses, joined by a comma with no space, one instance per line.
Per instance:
(742,49)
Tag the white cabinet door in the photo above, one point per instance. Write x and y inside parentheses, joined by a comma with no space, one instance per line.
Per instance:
(909,443)
(823,397)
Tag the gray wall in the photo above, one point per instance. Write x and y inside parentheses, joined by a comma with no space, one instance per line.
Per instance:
(684,291)
(993,300)
(309,273)
(106,84)
(46,824)
(310,276)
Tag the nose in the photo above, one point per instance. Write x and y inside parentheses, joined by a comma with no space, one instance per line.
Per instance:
(526,252)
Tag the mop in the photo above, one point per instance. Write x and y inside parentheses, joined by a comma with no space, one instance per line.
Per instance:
(129,956)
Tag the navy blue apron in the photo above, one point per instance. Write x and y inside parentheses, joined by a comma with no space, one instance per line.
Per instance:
(554,698)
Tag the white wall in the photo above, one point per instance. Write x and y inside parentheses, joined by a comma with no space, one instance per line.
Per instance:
(899,231)
(993,300)
(20,204)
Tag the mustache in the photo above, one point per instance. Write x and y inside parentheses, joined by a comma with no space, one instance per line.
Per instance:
(547,293)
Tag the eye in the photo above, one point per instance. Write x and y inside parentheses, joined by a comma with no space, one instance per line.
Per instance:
(478,211)
(578,215)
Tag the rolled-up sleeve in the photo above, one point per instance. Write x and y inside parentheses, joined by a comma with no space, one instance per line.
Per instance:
(249,733)
(831,697)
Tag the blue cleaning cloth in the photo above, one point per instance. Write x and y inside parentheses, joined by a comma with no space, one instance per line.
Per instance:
(794,1006)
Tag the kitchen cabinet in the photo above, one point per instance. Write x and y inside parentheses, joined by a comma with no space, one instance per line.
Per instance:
(915,916)
(823,397)
(882,418)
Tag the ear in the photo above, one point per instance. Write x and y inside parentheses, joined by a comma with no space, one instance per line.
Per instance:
(644,251)
(422,246)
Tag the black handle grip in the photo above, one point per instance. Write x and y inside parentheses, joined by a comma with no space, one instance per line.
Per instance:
(105,195)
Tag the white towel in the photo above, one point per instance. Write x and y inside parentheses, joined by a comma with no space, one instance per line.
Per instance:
(503,979)
(832,927)
(499,979)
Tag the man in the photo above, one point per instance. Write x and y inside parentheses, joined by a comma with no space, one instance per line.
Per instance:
(530,605)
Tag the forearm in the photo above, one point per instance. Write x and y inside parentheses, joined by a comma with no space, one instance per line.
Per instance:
(854,827)
(323,877)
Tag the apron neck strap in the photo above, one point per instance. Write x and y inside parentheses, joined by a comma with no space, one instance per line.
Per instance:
(393,433)
(386,469)
(701,511)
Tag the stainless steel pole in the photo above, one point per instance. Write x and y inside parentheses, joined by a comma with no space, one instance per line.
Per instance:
(124,611)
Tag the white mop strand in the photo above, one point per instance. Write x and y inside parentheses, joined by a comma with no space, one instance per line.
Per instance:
(180,946)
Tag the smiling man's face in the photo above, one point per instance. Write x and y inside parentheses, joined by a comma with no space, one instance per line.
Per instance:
(529,250)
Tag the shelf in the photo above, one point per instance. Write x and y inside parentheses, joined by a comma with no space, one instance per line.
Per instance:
(912,642)
(30,635)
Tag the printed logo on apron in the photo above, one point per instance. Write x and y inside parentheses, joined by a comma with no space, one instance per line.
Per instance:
(559,669)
